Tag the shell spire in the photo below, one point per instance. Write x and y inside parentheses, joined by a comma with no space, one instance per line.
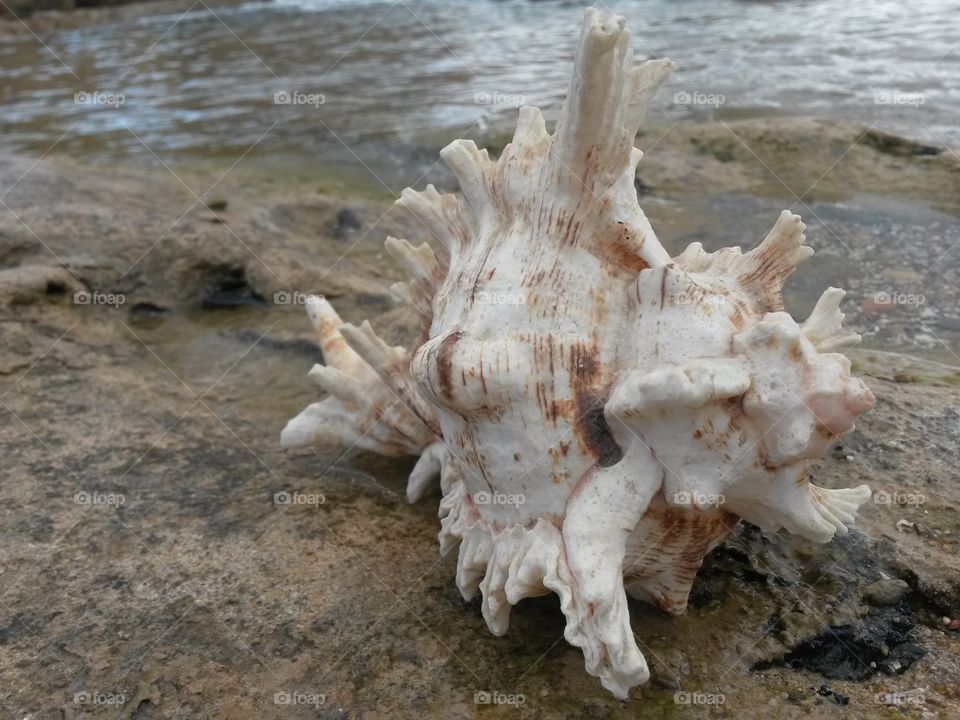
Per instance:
(575,186)
(606,103)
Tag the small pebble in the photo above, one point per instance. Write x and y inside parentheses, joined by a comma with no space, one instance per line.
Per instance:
(886,592)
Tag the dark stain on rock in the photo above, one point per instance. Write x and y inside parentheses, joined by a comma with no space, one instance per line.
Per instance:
(889,144)
(346,224)
(148,310)
(303,348)
(228,288)
(879,642)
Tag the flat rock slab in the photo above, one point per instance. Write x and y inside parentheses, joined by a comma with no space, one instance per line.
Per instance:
(160,557)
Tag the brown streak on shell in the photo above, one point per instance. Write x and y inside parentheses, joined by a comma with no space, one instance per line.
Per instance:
(824,431)
(796,351)
(737,319)
(590,396)
(475,285)
(445,362)
(620,250)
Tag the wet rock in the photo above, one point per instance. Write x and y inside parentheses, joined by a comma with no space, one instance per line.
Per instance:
(29,283)
(901,657)
(217,205)
(824,691)
(858,650)
(347,223)
(669,667)
(886,592)
(229,288)
(895,145)
(144,310)
(303,348)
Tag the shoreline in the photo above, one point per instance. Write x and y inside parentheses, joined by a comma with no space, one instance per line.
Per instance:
(783,156)
(721,184)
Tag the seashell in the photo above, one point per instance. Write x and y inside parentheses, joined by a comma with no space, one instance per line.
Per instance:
(600,415)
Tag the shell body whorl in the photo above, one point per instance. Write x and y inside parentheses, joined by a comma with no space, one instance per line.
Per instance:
(599,414)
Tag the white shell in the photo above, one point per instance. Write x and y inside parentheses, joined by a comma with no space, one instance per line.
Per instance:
(600,415)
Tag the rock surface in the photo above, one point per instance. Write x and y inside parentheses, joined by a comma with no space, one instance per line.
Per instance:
(886,592)
(160,557)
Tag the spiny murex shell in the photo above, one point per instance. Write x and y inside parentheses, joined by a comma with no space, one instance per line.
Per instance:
(600,415)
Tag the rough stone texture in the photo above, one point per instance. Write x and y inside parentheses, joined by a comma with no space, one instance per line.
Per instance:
(203,596)
(888,591)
